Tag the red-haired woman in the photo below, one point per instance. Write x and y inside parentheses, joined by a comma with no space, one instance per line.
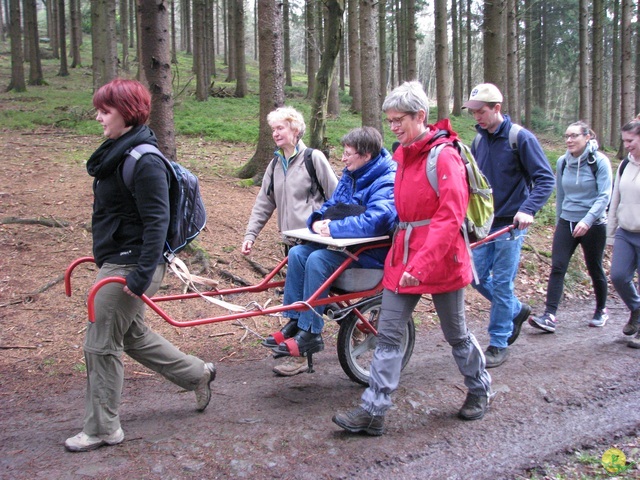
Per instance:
(128,242)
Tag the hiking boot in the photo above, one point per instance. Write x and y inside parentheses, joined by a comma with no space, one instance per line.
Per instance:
(291,366)
(85,443)
(599,318)
(631,327)
(634,342)
(474,406)
(546,322)
(523,314)
(495,356)
(359,420)
(203,390)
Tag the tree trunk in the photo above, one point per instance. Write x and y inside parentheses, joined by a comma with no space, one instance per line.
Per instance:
(64,71)
(442,58)
(371,101)
(583,60)
(17,83)
(35,65)
(627,103)
(355,78)
(270,57)
(495,58)
(156,62)
(200,51)
(637,83)
(333,40)
(528,64)
(241,69)
(597,68)
(209,40)
(469,22)
(614,131)
(51,9)
(288,81)
(382,46)
(103,42)
(312,46)
(457,67)
(76,33)
(124,33)
(412,64)
(512,62)
(231,44)
(333,104)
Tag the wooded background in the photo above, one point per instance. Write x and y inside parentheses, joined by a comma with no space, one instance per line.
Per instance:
(555,62)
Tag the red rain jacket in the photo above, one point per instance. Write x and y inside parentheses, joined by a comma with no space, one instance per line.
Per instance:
(437,253)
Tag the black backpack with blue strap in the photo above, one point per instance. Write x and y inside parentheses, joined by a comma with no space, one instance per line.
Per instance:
(188,216)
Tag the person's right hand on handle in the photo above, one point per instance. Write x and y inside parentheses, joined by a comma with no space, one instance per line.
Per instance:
(247,245)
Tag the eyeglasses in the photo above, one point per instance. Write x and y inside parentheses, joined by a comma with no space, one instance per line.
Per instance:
(346,154)
(396,122)
(572,136)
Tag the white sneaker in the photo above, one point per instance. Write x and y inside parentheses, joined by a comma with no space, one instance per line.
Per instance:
(203,390)
(291,366)
(84,443)
(599,319)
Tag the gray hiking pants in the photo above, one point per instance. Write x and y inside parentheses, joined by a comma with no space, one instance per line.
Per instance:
(119,327)
(386,365)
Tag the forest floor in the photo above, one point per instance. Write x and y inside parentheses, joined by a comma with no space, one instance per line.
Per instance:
(562,399)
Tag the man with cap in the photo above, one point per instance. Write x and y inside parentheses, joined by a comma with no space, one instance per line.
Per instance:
(522,181)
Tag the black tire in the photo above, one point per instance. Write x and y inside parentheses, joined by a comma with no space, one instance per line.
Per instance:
(355,348)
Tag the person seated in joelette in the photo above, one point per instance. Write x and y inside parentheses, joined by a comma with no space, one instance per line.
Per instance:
(361,206)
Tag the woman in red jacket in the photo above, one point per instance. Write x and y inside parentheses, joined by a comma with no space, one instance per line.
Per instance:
(428,255)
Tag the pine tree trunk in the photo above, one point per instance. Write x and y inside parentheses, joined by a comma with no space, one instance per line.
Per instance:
(442,58)
(325,76)
(17,83)
(270,56)
(355,87)
(371,101)
(156,62)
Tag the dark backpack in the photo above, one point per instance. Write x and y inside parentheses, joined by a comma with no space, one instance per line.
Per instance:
(591,161)
(593,164)
(187,213)
(311,170)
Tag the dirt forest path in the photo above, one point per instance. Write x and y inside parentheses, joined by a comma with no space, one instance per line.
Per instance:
(556,393)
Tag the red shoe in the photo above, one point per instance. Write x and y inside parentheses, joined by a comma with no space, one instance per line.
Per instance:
(288,331)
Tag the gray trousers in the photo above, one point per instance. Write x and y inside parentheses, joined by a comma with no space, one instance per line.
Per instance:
(386,365)
(120,327)
(625,262)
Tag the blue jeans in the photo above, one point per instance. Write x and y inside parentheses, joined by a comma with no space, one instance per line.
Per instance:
(308,268)
(497,265)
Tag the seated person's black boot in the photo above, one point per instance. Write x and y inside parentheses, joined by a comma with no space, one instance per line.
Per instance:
(288,331)
(301,345)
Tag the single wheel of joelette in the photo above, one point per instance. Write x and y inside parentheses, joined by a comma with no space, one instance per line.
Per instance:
(356,345)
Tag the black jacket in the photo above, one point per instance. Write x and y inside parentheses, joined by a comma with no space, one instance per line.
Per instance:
(125,230)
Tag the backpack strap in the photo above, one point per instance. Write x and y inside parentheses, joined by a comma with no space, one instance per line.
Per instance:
(311,170)
(623,165)
(513,137)
(432,159)
(591,161)
(431,166)
(133,155)
(272,165)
